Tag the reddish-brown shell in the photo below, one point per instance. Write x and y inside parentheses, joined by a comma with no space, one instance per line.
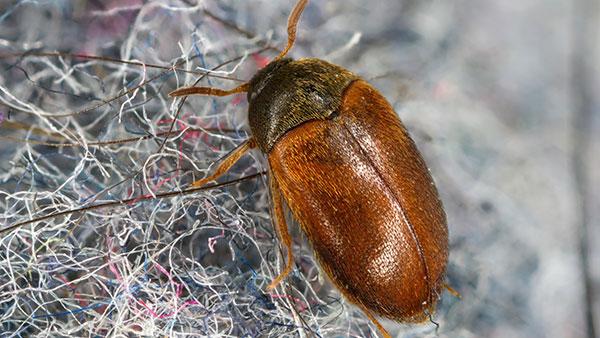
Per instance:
(359,188)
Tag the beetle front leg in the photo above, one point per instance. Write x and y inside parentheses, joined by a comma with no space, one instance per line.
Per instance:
(227,163)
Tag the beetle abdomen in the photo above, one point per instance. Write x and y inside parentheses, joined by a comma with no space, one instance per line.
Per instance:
(362,193)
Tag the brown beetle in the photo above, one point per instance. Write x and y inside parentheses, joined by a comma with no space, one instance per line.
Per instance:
(352,177)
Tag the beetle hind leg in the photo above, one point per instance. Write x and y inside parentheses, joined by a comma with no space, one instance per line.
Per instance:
(282,231)
(374,320)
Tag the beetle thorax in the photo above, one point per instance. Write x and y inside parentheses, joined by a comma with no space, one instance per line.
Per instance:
(287,93)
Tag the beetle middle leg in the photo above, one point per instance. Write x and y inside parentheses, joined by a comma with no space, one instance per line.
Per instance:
(282,230)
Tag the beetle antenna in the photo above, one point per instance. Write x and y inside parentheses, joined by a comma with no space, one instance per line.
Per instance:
(209,91)
(292,27)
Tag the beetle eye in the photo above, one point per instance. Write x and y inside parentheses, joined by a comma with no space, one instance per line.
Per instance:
(257,90)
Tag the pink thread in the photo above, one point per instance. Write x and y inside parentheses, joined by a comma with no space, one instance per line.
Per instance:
(302,304)
(139,198)
(237,99)
(170,314)
(161,269)
(261,61)
(111,265)
(213,240)
(178,286)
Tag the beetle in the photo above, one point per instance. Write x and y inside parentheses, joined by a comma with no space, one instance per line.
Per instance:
(352,177)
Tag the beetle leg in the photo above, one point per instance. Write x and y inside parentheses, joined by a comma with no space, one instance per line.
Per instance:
(374,320)
(227,163)
(282,231)
(452,291)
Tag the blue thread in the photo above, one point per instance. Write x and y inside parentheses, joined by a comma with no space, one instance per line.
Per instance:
(259,296)
(64,313)
(203,63)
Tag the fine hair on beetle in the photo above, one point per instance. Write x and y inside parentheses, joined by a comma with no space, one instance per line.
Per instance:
(314,121)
